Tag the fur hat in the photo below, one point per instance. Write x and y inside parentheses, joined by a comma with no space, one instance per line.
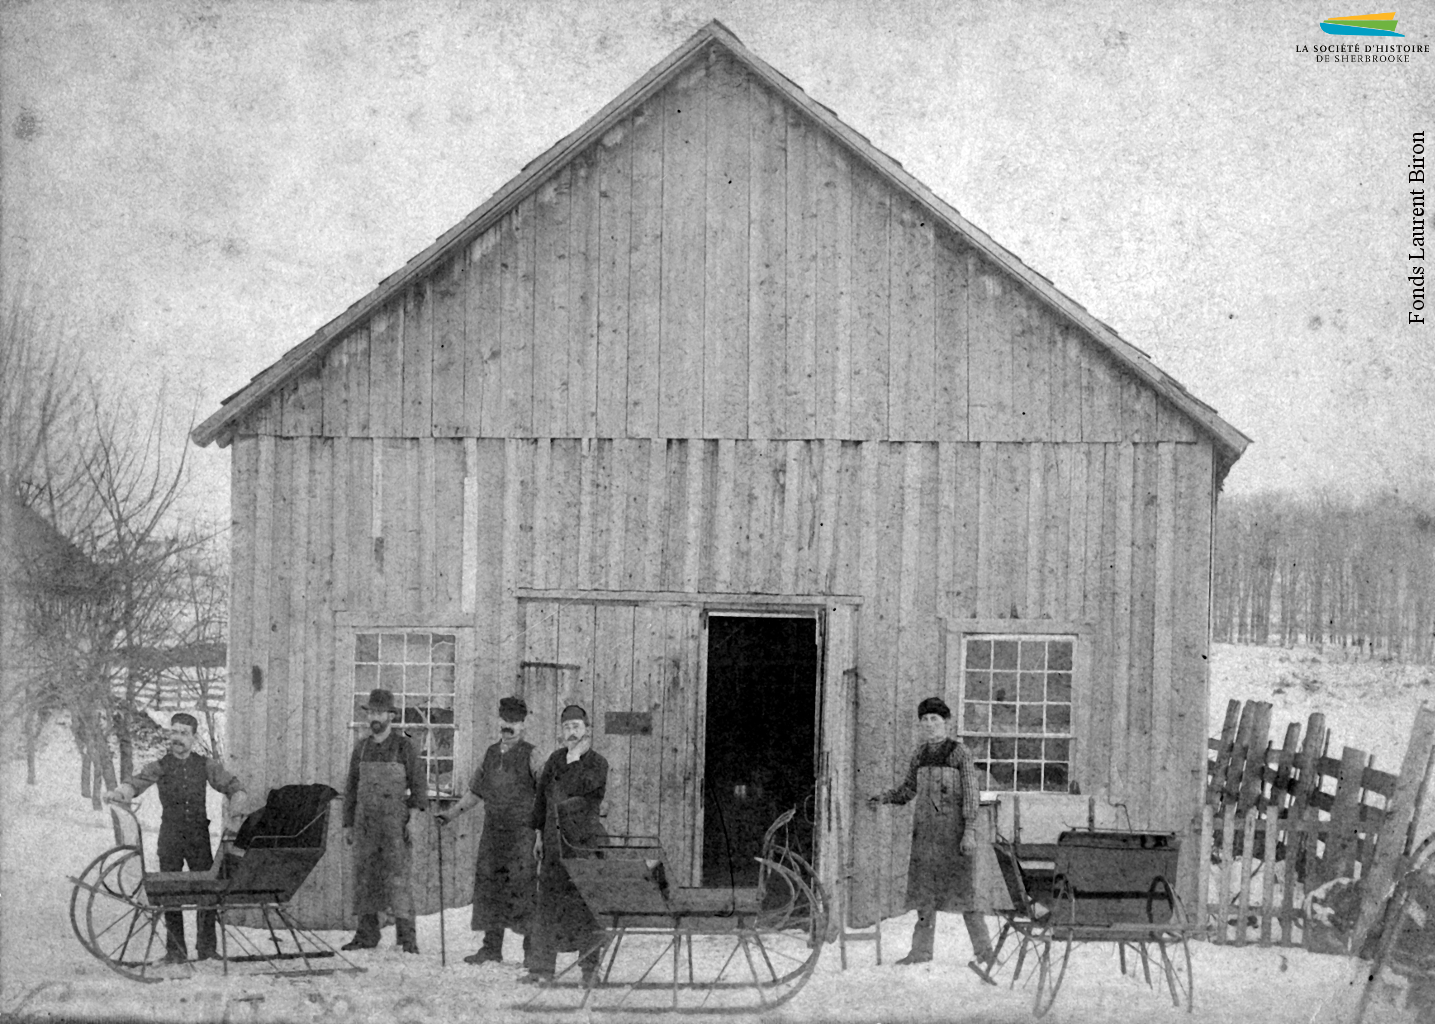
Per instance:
(934,706)
(512,709)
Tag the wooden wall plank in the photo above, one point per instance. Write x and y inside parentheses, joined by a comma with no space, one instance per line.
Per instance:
(989,391)
(552,271)
(448,293)
(697,511)
(518,237)
(1094,755)
(418,362)
(650,148)
(912,317)
(969,480)
(799,405)
(508,638)
(832,185)
(600,511)
(655,516)
(613,691)
(1100,397)
(827,510)
(243,489)
(1077,528)
(615,230)
(725,273)
(871,305)
(356,420)
(334,389)
(792,492)
(1141,723)
(949,397)
(679,699)
(386,370)
(566,475)
(277,682)
(894,723)
(645,766)
(672,552)
(1120,720)
(629,523)
(767,216)
(1171,786)
(1031,371)
(1029,597)
(576,632)
(680,356)
(483,342)
(585,262)
(725,515)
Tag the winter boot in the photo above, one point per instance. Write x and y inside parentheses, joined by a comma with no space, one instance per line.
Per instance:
(408,939)
(367,936)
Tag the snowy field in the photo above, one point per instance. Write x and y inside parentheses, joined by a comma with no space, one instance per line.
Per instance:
(50,832)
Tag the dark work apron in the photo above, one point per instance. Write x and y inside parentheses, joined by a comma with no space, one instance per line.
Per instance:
(504,876)
(381,857)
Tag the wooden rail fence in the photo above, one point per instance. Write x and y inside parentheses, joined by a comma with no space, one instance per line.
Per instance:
(1280,821)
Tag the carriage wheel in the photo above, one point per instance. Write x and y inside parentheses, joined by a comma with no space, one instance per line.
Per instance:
(788,940)
(1056,938)
(80,895)
(123,927)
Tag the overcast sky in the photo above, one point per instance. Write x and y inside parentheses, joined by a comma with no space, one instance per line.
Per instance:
(196,187)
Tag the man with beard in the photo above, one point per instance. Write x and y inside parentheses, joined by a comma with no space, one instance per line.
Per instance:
(943,780)
(503,875)
(565,816)
(385,786)
(182,777)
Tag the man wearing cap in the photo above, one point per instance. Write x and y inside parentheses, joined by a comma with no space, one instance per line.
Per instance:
(503,876)
(385,786)
(182,777)
(942,778)
(565,817)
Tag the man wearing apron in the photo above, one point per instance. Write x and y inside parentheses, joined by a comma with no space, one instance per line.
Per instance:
(943,780)
(503,875)
(385,785)
(565,816)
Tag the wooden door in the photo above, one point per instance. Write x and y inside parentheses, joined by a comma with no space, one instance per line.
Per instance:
(836,752)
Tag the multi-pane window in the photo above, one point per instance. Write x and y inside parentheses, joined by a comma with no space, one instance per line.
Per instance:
(1016,709)
(420,669)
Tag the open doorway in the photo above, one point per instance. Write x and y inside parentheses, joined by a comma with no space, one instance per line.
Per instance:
(759,756)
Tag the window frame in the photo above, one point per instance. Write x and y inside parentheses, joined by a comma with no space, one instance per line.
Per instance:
(462,696)
(955,639)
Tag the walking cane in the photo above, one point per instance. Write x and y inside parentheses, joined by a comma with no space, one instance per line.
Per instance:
(442,944)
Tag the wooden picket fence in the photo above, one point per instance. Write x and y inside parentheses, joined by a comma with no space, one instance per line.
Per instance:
(1281,821)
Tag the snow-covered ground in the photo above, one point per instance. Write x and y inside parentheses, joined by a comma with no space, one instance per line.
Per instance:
(50,833)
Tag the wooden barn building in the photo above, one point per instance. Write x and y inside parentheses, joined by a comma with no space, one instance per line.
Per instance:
(716,421)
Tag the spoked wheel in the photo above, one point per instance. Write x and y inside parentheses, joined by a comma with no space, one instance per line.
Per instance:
(124,929)
(788,940)
(1054,948)
(85,884)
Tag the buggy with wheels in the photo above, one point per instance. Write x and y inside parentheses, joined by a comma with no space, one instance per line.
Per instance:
(1096,886)
(668,948)
(117,906)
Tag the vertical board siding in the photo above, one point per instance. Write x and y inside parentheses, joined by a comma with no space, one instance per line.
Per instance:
(679,356)
(1102,533)
(717,266)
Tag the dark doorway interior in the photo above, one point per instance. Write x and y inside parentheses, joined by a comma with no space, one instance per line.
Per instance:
(761,737)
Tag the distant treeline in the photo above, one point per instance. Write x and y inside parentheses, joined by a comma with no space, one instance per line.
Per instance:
(1327,570)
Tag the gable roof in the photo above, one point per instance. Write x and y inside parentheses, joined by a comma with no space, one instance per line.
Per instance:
(1230,442)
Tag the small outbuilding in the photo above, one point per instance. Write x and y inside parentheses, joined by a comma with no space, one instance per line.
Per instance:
(716,421)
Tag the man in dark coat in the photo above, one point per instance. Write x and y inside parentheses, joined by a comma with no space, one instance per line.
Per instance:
(385,786)
(182,777)
(503,876)
(565,816)
(943,780)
